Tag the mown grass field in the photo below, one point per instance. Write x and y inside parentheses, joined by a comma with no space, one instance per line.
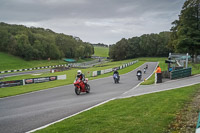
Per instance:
(10,62)
(10,91)
(151,113)
(101,51)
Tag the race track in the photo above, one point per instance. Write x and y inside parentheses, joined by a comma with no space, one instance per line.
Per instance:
(29,111)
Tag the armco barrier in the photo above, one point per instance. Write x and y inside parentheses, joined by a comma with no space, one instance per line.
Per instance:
(95,73)
(181,73)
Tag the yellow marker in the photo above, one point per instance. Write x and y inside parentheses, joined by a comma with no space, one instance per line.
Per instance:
(144,79)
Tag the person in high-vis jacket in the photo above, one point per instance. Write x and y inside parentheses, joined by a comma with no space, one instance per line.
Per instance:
(158,75)
(158,70)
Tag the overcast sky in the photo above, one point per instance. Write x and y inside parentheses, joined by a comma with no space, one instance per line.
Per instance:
(95,21)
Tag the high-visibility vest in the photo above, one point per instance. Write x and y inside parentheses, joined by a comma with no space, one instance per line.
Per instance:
(158,70)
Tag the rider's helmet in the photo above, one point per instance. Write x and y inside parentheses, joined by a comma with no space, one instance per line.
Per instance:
(79,72)
(115,70)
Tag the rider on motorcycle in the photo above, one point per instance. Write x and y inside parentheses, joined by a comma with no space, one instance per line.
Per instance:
(139,72)
(116,72)
(80,75)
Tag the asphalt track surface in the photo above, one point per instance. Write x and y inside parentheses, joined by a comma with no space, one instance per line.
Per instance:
(26,112)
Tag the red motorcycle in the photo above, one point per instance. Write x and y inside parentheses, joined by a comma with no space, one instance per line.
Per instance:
(81,86)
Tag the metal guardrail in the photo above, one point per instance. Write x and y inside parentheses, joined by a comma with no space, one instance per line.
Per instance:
(181,73)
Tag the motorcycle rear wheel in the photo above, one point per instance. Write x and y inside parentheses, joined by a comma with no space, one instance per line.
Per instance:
(77,91)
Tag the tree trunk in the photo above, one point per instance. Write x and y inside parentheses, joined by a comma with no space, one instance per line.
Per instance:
(195,58)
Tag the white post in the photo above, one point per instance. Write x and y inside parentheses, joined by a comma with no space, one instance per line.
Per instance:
(186,60)
(155,78)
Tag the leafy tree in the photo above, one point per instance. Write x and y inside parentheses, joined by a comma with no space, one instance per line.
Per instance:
(186,30)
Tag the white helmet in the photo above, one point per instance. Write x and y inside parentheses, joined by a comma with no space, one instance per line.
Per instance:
(79,72)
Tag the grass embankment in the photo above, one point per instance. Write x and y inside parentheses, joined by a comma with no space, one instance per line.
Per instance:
(10,91)
(151,113)
(10,62)
(101,51)
(195,68)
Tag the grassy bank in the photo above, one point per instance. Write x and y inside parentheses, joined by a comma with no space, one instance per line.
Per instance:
(10,91)
(151,113)
(101,51)
(10,62)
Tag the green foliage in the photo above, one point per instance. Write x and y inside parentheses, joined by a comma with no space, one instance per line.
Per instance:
(38,43)
(148,45)
(186,31)
(151,113)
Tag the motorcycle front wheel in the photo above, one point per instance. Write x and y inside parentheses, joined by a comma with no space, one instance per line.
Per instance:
(77,91)
(88,88)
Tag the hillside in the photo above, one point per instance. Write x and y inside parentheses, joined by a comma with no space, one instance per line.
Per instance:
(10,62)
(101,51)
(33,43)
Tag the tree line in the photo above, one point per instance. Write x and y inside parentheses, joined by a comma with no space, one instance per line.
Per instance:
(38,43)
(184,37)
(147,45)
(100,45)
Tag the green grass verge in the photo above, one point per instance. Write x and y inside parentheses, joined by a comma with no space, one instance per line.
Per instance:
(10,62)
(11,91)
(151,113)
(101,51)
(195,68)
(150,81)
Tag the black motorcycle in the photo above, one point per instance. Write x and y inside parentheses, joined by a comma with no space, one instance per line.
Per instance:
(139,76)
(116,78)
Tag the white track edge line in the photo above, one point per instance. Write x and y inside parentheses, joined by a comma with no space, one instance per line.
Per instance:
(70,116)
(160,90)
(142,81)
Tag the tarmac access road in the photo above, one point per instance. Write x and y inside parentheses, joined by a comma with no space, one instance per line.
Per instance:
(26,112)
(24,73)
(168,85)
